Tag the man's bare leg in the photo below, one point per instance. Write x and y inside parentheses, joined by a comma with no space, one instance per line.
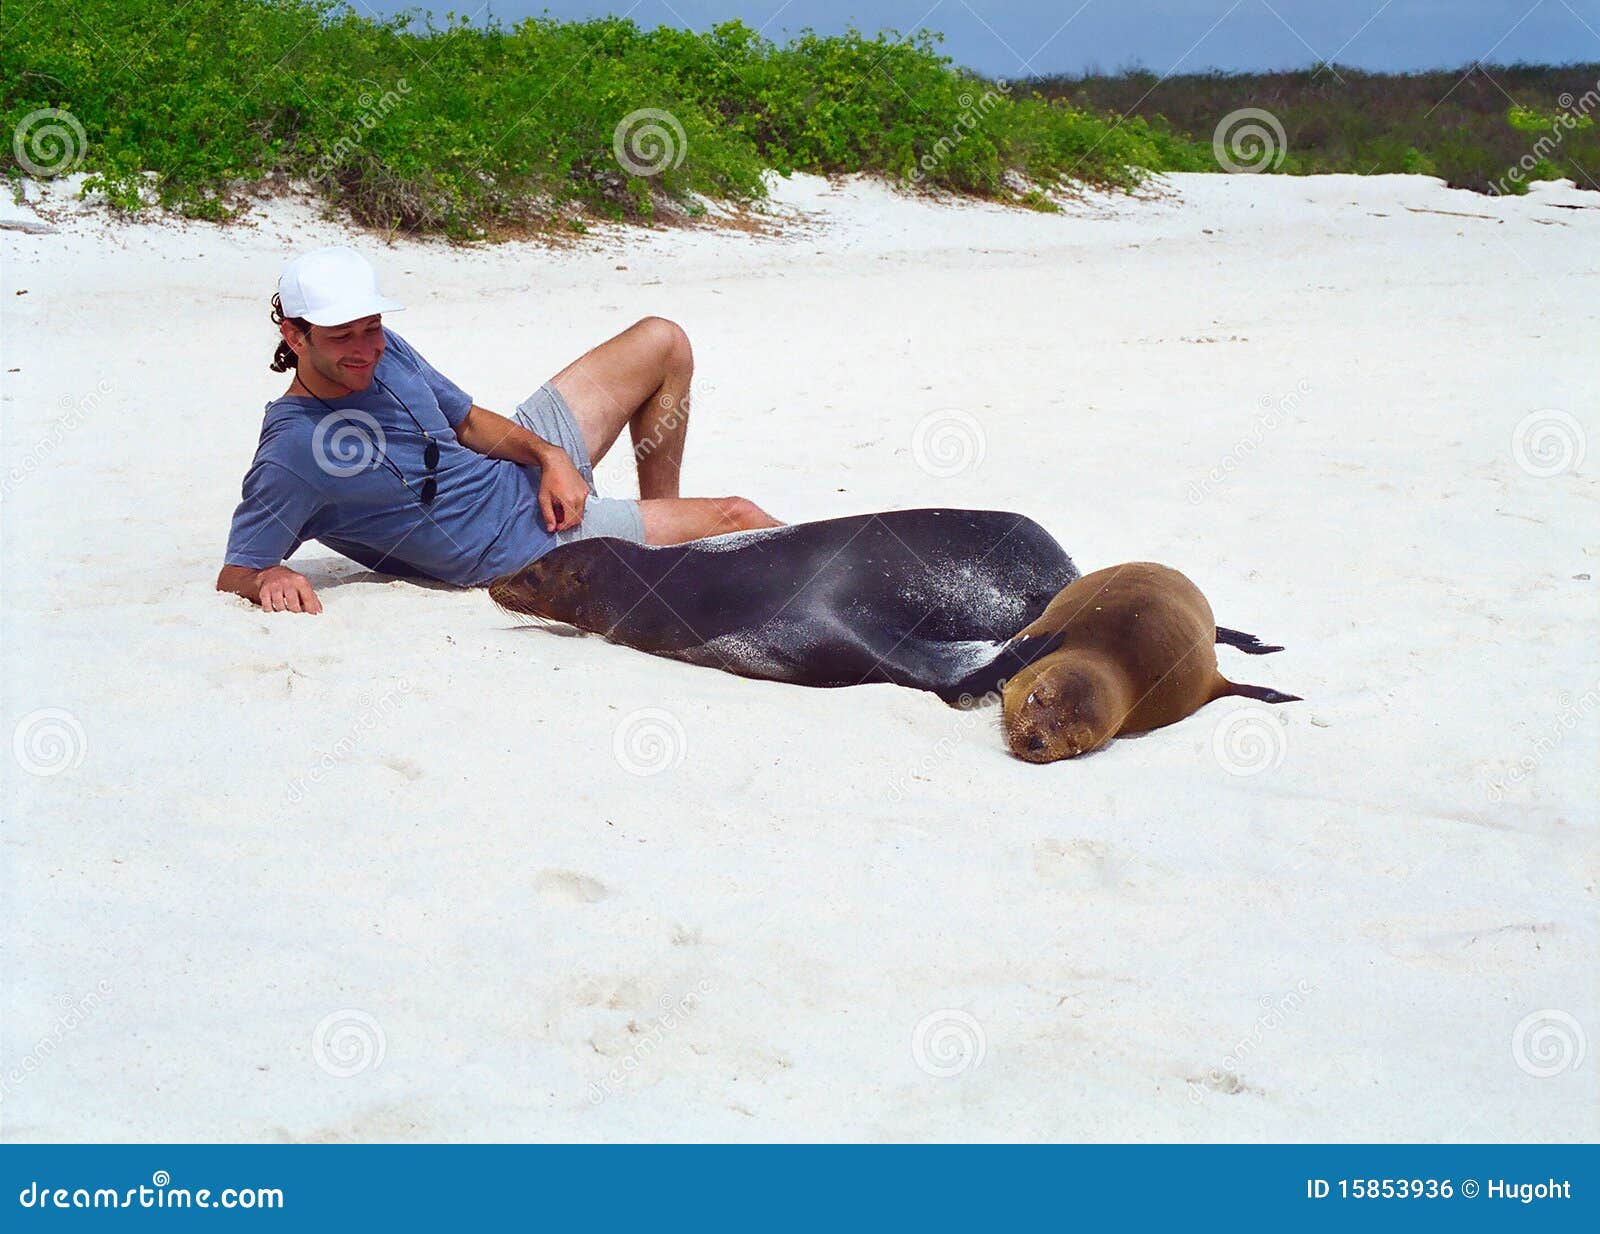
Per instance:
(639,378)
(673,520)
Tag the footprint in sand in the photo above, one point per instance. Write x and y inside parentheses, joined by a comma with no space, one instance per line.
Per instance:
(1079,863)
(569,887)
(403,767)
(277,678)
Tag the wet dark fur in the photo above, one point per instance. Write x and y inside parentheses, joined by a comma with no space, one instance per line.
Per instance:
(895,597)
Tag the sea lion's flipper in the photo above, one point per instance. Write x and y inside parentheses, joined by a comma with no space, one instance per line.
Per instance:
(1247,643)
(1260,693)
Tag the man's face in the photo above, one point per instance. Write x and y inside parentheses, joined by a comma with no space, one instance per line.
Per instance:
(346,354)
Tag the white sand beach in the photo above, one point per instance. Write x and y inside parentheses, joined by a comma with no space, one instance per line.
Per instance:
(410,870)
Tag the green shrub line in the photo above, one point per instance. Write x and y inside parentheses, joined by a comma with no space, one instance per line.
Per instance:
(474,131)
(481,131)
(1490,128)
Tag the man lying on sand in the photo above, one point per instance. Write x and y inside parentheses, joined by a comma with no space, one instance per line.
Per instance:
(377,455)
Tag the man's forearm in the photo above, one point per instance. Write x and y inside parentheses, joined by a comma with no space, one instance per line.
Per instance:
(487,433)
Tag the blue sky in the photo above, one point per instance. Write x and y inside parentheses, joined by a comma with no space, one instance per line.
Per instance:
(1012,39)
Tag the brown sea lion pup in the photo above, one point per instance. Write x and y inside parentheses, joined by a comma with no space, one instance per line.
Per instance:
(1131,649)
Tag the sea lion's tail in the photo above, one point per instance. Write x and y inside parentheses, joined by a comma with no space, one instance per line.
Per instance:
(1247,643)
(1260,693)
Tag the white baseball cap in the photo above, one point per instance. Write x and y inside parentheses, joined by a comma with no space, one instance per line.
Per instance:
(331,286)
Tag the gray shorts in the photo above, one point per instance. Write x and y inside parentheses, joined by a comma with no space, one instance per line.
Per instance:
(546,413)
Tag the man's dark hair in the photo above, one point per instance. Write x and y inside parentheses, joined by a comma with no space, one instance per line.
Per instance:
(284,358)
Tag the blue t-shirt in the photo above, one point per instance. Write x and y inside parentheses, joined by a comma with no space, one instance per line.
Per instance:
(320,475)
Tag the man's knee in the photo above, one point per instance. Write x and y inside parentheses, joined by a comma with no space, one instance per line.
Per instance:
(741,514)
(666,337)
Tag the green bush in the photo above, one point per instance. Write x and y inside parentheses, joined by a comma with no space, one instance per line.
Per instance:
(472,131)
(1455,125)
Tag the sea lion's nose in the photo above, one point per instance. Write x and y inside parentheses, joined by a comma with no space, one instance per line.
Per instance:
(1035,744)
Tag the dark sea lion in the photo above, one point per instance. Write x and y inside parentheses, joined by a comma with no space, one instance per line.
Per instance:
(922,598)
(1121,650)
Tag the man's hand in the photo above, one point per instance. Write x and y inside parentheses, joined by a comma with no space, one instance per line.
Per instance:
(563,492)
(283,590)
(277,589)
